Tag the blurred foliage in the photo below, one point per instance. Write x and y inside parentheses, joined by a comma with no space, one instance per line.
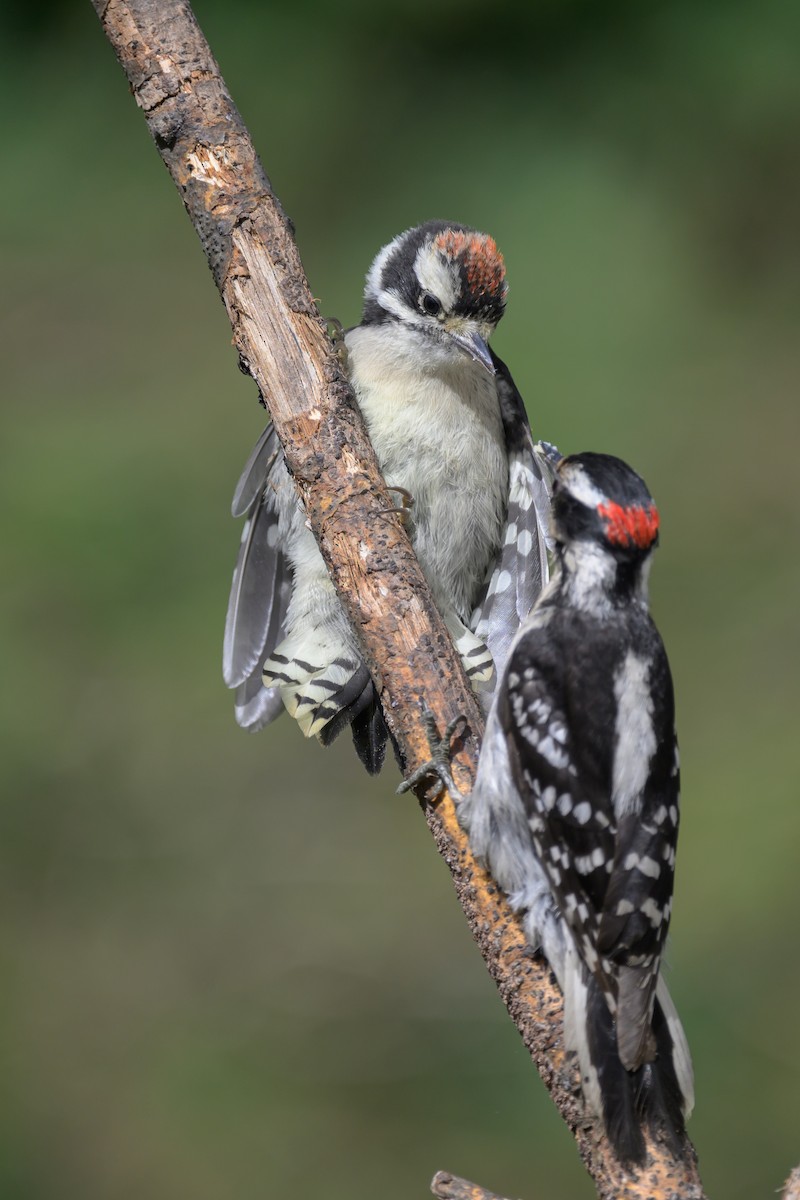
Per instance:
(234,966)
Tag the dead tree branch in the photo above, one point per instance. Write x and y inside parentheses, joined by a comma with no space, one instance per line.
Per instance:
(451,1187)
(791,1189)
(282,343)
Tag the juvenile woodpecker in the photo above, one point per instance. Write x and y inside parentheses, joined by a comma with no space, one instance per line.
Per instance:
(449,428)
(575,807)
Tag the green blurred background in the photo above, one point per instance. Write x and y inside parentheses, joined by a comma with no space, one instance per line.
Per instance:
(234,966)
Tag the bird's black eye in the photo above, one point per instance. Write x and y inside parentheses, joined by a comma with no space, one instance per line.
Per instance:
(430,304)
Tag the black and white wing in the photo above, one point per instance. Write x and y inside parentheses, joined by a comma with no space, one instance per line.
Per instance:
(610,871)
(520,571)
(260,590)
(611,877)
(570,817)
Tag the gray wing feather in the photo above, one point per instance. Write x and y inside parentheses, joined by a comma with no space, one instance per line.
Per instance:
(520,571)
(260,593)
(255,705)
(256,469)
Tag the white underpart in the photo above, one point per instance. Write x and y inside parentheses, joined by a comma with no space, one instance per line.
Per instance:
(438,434)
(495,818)
(499,830)
(635,741)
(434,420)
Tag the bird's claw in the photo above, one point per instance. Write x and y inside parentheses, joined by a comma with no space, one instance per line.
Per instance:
(403,509)
(550,453)
(336,334)
(438,765)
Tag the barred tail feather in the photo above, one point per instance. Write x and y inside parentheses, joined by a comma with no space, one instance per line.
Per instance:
(326,687)
(473,651)
(320,680)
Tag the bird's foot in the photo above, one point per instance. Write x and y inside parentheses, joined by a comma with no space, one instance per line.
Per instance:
(550,453)
(437,768)
(403,509)
(336,334)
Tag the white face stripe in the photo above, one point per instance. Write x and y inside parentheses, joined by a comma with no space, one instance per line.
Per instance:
(392,303)
(578,484)
(437,275)
(434,273)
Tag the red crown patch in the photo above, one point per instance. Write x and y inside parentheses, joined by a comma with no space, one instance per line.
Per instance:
(632,526)
(483,262)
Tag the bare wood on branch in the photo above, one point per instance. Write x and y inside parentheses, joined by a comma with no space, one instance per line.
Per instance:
(452,1187)
(791,1189)
(282,343)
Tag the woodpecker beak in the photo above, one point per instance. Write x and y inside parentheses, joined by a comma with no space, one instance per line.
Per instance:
(476,348)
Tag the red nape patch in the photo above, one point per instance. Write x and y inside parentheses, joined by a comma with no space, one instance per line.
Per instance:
(633,526)
(485,269)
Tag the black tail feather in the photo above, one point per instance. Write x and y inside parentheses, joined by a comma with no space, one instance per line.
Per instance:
(362,713)
(647,1098)
(617,1086)
(370,735)
(658,1098)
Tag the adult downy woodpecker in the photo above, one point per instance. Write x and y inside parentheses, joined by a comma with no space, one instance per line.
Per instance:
(575,806)
(449,427)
